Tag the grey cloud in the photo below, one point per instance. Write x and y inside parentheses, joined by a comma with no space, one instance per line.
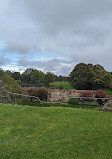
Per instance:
(79,30)
(4,61)
(55,65)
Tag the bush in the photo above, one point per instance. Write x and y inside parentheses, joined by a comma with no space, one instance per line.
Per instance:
(11,84)
(41,93)
(88,94)
(74,101)
(92,103)
(101,94)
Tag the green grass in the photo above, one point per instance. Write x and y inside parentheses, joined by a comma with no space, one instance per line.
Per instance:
(35,103)
(64,85)
(109,92)
(54,133)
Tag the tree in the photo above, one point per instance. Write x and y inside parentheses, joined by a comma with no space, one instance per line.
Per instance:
(10,83)
(8,72)
(81,76)
(88,77)
(37,77)
(49,77)
(102,79)
(16,75)
(25,78)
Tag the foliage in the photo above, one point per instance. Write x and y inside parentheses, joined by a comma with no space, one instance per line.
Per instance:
(25,78)
(49,77)
(41,93)
(36,77)
(74,101)
(88,94)
(96,94)
(32,76)
(15,75)
(109,92)
(85,105)
(101,94)
(92,103)
(16,99)
(81,77)
(10,83)
(62,78)
(102,79)
(90,77)
(89,100)
(82,102)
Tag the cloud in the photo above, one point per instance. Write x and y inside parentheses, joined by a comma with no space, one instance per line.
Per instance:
(4,61)
(55,65)
(78,30)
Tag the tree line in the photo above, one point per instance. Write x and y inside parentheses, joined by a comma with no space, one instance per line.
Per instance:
(82,77)
(36,77)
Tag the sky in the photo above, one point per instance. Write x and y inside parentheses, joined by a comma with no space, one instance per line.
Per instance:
(55,35)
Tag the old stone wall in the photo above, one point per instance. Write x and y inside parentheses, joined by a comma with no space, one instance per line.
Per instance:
(59,95)
(56,95)
(4,96)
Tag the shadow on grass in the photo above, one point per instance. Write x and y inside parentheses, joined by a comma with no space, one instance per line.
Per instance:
(37,104)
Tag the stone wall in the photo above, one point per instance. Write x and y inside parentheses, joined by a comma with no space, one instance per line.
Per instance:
(56,95)
(4,96)
(59,95)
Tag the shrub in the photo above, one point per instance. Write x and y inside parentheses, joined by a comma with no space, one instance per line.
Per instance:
(74,101)
(88,94)
(101,94)
(31,92)
(41,93)
(11,84)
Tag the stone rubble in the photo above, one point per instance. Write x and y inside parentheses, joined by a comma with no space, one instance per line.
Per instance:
(107,107)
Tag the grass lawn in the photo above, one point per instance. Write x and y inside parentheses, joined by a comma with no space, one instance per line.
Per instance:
(54,133)
(35,103)
(109,92)
(64,85)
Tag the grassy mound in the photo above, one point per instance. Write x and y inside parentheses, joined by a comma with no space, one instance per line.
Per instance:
(54,133)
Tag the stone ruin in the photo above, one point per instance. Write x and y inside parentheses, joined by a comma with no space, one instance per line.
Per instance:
(56,95)
(4,96)
(107,107)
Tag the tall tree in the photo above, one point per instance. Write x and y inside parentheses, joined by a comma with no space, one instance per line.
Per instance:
(81,76)
(16,75)
(37,77)
(49,77)
(90,77)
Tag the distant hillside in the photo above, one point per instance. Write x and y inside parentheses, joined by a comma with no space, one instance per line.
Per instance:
(11,84)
